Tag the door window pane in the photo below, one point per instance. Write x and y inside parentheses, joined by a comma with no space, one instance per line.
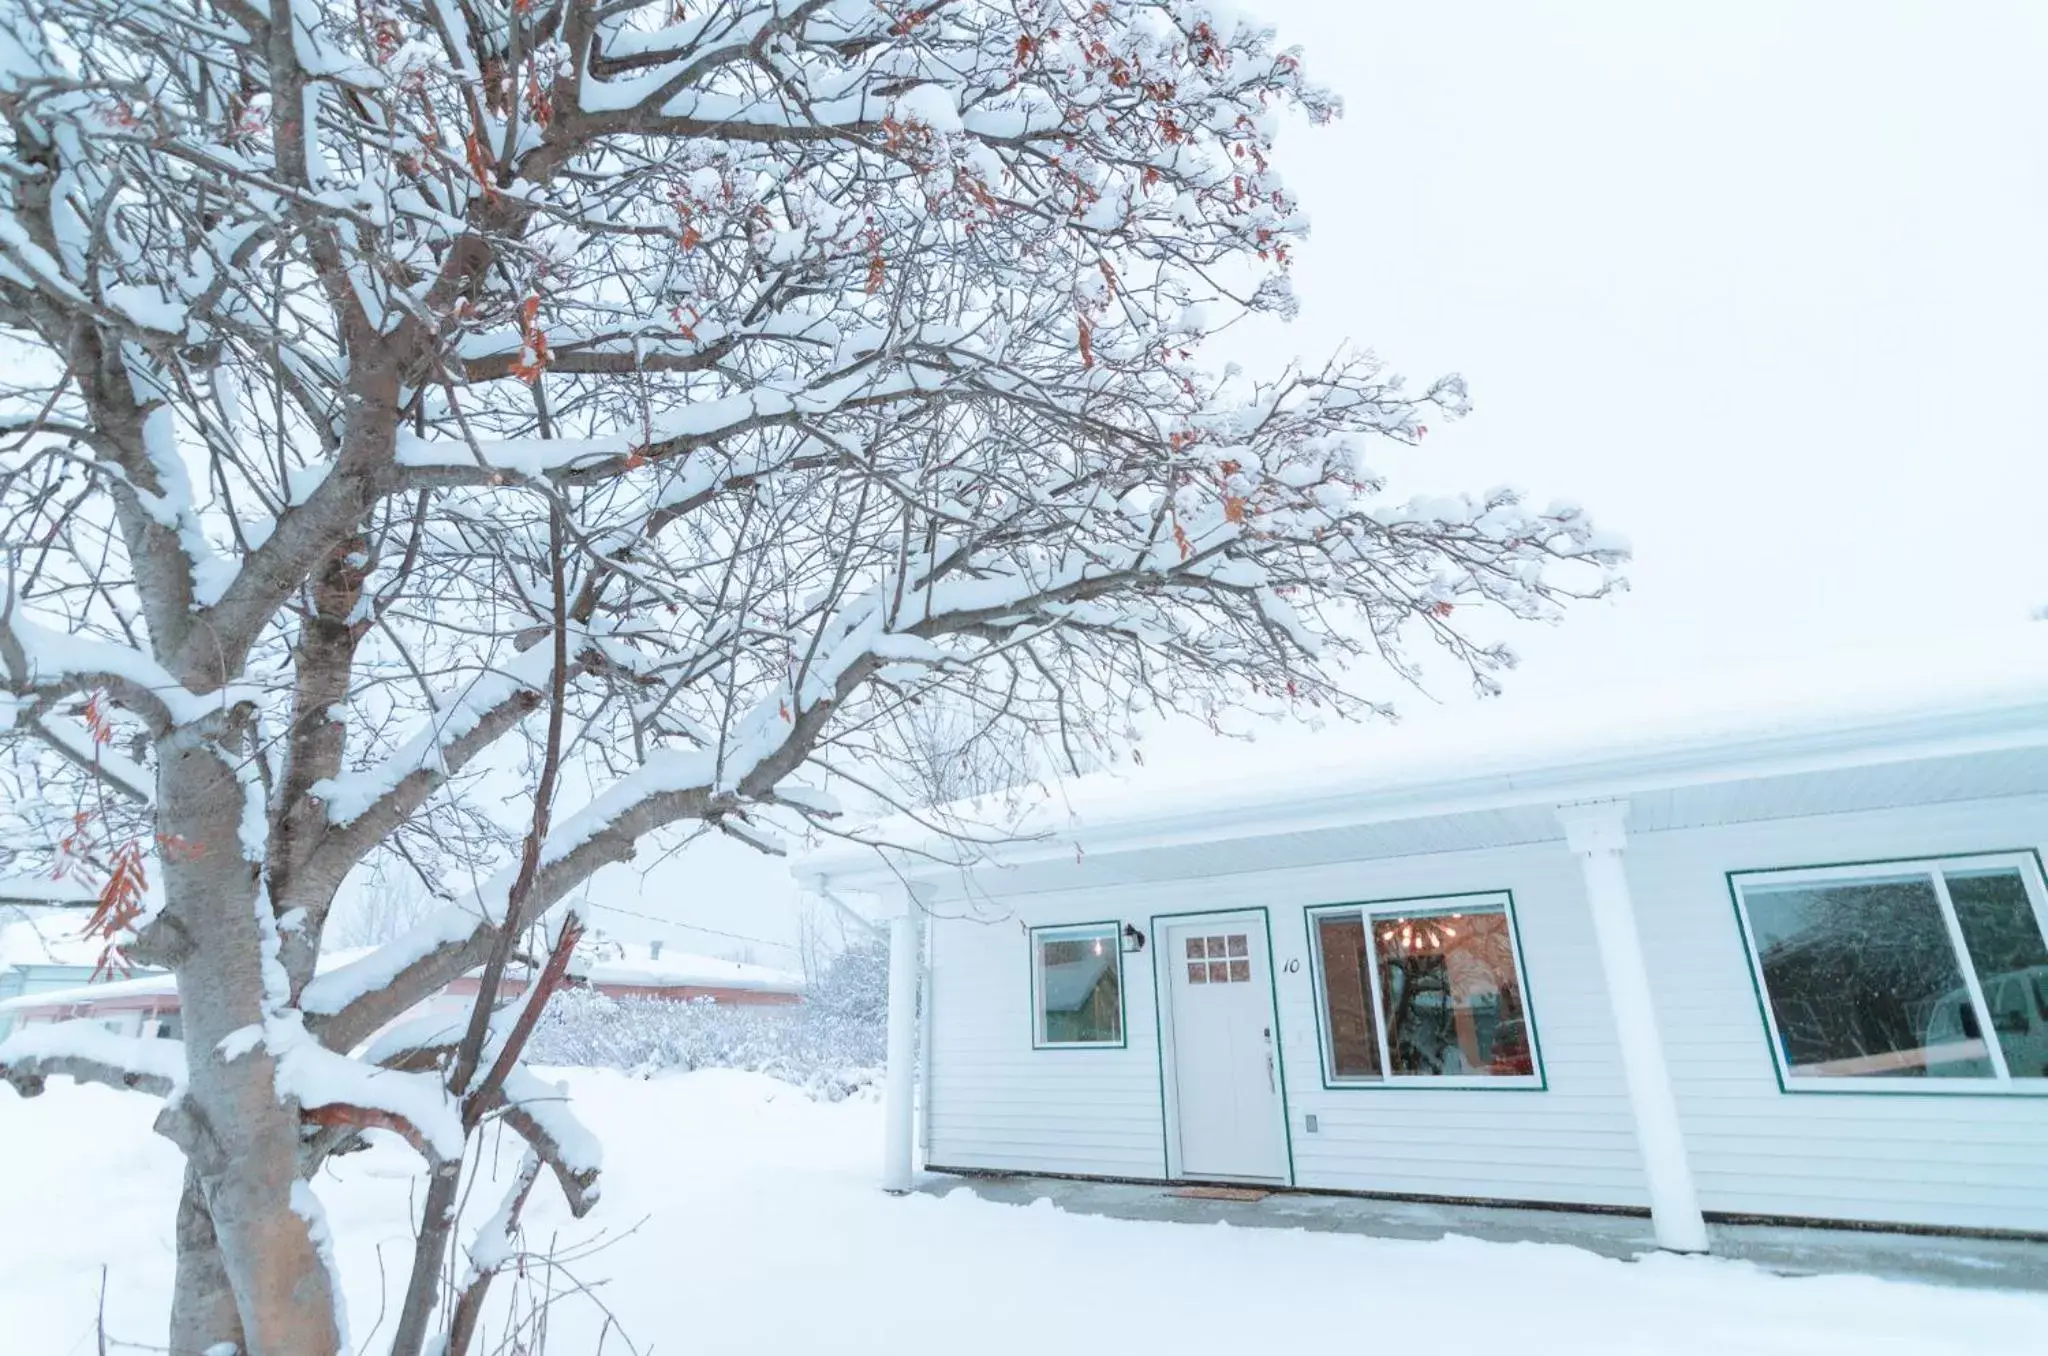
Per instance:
(1354,1043)
(2003,936)
(1079,986)
(1863,980)
(1449,996)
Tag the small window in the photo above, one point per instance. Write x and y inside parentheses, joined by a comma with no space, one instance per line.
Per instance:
(1927,975)
(1423,991)
(1077,985)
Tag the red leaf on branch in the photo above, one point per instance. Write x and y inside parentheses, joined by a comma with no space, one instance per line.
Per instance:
(97,722)
(540,105)
(480,165)
(1087,344)
(533,344)
(120,905)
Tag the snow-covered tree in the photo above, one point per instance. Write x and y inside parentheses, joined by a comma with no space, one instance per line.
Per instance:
(415,411)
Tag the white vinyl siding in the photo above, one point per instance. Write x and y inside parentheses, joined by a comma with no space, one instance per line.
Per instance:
(1953,1160)
(996,1102)
(1572,1142)
(1962,1161)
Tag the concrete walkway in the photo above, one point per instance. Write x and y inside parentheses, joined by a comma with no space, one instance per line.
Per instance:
(1989,1263)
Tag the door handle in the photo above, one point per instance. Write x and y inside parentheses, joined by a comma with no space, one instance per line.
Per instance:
(1271,1084)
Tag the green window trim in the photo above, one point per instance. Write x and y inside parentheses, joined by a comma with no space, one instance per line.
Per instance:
(1936,866)
(1110,933)
(1413,906)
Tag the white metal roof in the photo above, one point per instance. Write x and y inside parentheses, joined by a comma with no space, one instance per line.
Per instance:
(634,966)
(1815,734)
(677,970)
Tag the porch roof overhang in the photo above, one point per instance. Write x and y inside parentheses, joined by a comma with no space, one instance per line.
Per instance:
(1969,723)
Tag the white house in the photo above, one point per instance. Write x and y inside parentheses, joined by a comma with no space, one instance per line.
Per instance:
(1770,948)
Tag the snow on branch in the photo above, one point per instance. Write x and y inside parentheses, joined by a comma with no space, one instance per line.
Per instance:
(118,771)
(334,1089)
(540,1113)
(41,662)
(89,1053)
(482,708)
(390,966)
(698,424)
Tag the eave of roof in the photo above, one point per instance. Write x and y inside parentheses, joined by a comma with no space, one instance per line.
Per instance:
(1985,696)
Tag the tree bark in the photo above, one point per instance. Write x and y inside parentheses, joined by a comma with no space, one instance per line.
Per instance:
(203,1312)
(323,663)
(243,1136)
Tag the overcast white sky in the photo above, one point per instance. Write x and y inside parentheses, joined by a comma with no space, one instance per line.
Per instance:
(1765,286)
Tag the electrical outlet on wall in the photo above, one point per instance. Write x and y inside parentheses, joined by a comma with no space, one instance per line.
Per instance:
(1310,1118)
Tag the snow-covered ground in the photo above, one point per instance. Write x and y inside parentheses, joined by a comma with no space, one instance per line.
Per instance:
(745,1219)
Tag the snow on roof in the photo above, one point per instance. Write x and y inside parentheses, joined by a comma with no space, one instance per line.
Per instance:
(625,964)
(142,985)
(160,982)
(1070,984)
(1859,704)
(636,965)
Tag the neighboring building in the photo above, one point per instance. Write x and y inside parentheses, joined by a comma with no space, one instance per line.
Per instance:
(42,951)
(1778,949)
(42,977)
(651,970)
(147,1004)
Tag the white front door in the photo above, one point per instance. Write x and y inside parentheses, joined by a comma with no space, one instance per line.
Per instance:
(1225,1049)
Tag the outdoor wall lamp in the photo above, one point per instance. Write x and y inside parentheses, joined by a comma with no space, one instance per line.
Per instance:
(1134,940)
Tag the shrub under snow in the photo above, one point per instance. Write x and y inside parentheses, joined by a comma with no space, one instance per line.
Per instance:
(831,1045)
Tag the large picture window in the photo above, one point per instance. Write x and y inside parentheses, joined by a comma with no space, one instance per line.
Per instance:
(1428,992)
(1930,975)
(1077,985)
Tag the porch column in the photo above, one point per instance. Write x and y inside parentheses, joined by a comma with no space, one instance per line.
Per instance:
(1595,831)
(900,1090)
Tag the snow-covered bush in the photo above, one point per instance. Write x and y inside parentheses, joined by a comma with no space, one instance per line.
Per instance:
(831,1045)
(854,988)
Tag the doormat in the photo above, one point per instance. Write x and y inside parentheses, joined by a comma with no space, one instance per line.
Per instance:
(1219,1193)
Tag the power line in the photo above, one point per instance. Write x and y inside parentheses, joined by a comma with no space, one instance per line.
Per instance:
(693,927)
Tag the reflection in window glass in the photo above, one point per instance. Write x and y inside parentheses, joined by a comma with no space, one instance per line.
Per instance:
(1080,993)
(1354,1041)
(1448,994)
(1863,981)
(1449,997)
(2003,936)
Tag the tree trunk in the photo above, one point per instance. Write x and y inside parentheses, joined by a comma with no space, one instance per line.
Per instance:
(240,1135)
(203,1313)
